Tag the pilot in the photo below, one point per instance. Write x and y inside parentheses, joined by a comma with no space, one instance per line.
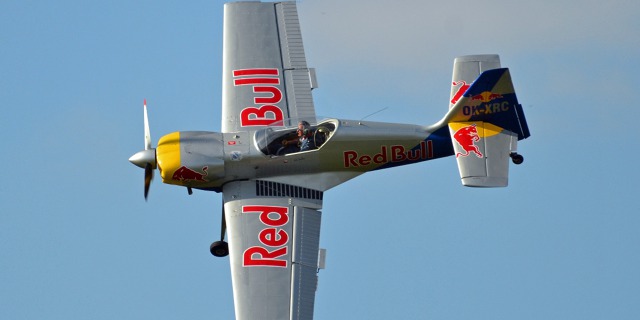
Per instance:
(303,138)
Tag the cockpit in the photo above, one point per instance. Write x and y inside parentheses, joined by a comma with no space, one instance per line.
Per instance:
(296,136)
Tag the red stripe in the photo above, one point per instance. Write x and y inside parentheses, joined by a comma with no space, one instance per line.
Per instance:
(255,72)
(255,81)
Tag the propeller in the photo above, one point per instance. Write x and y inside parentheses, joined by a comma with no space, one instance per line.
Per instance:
(146,158)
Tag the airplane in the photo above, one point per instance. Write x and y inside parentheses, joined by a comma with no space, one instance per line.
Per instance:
(274,159)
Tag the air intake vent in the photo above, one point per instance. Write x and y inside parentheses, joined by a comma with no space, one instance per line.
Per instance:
(276,189)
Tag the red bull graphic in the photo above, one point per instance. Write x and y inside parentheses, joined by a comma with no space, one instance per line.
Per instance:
(186,174)
(466,138)
(486,96)
(461,90)
(265,82)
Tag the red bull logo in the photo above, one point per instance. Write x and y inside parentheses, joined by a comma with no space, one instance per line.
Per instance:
(186,174)
(486,96)
(466,138)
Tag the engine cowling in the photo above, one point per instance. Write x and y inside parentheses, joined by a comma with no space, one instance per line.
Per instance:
(191,159)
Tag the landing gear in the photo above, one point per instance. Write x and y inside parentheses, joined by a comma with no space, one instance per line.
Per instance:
(516,158)
(219,249)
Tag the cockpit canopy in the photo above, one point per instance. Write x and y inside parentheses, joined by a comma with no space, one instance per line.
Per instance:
(279,139)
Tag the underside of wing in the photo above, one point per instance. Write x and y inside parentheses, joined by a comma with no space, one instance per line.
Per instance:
(274,234)
(265,74)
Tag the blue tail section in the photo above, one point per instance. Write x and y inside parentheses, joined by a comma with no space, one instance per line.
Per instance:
(492,99)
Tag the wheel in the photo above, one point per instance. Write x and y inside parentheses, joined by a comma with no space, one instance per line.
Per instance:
(517,158)
(219,249)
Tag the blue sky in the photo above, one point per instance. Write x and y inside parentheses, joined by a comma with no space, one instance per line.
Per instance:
(78,241)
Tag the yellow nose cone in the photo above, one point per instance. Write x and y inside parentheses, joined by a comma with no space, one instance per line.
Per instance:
(168,153)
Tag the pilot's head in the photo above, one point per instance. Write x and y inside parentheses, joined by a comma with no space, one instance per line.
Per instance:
(303,128)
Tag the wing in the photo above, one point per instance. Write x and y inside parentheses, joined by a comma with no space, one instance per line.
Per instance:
(265,74)
(273,233)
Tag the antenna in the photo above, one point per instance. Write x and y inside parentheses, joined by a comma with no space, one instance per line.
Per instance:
(383,109)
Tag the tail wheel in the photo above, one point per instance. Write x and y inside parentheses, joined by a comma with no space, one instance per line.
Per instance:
(516,158)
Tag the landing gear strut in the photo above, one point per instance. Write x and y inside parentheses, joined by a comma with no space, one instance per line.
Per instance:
(516,158)
(221,248)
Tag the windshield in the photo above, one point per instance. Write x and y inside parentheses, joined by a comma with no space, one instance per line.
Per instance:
(296,136)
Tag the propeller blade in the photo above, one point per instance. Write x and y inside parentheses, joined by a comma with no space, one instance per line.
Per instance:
(147,133)
(148,176)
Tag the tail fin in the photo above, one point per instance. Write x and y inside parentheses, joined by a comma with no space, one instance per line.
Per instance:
(466,69)
(485,121)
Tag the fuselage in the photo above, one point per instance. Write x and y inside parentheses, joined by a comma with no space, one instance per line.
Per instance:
(340,149)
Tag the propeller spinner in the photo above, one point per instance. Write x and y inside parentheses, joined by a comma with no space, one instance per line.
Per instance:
(146,158)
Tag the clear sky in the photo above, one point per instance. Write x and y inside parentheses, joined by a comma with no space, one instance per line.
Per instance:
(77,240)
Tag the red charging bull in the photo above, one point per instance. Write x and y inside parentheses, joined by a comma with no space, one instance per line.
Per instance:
(466,138)
(186,174)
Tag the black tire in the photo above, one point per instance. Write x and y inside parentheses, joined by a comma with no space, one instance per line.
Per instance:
(219,249)
(517,159)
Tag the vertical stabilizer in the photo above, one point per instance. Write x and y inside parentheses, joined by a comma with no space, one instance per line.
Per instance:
(485,121)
